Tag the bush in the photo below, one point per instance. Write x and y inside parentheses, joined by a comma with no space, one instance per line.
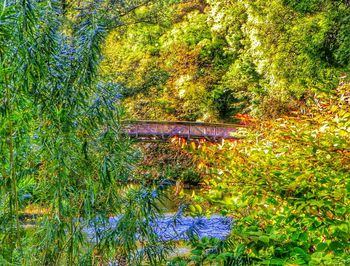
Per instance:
(287,184)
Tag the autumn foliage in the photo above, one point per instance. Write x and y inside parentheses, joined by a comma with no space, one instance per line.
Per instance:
(287,185)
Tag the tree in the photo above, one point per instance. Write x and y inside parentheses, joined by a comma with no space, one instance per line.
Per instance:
(61,144)
(207,60)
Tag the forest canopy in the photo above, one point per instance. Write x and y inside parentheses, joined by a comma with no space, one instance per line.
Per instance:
(208,60)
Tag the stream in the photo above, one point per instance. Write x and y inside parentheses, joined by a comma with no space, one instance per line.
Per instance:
(174,227)
(169,229)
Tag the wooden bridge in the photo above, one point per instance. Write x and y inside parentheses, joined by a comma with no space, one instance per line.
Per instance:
(159,130)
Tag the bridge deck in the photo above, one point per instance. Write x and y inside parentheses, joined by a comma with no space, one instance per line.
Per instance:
(158,130)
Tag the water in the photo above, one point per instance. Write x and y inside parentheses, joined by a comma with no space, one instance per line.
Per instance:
(173,228)
(213,227)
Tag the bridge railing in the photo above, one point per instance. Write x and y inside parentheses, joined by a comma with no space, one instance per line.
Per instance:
(189,130)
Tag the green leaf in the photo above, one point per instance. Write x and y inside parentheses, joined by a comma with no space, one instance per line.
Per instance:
(274,262)
(299,251)
(192,208)
(348,186)
(335,245)
(321,246)
(198,208)
(303,236)
(264,239)
(317,255)
(197,252)
(225,255)
(196,258)
(240,249)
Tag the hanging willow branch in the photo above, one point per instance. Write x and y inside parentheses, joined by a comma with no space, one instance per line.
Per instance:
(60,145)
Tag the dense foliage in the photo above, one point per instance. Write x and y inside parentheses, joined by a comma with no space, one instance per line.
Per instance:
(287,185)
(207,60)
(61,146)
(68,67)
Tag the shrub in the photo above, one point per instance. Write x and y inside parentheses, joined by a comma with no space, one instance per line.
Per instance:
(287,184)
